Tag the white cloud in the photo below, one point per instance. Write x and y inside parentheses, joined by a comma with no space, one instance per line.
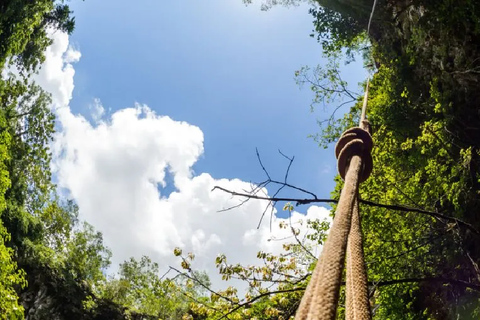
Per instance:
(113,169)
(56,74)
(96,110)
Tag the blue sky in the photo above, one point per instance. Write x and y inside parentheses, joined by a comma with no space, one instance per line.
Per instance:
(146,88)
(219,65)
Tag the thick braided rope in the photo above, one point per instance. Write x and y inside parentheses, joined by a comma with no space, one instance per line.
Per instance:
(357,304)
(321,296)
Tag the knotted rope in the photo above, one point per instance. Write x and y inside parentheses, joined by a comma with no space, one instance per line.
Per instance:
(321,296)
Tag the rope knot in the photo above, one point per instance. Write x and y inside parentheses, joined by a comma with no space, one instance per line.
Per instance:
(355,141)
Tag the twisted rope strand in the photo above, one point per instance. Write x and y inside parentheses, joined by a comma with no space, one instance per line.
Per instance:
(357,306)
(321,296)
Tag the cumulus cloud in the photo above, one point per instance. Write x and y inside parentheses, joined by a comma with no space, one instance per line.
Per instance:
(116,168)
(96,110)
(56,74)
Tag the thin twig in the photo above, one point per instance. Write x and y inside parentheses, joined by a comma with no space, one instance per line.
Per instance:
(203,285)
(261,164)
(460,283)
(265,294)
(298,240)
(332,116)
(289,164)
(398,255)
(294,187)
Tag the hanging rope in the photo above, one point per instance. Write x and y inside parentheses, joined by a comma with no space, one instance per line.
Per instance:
(355,165)
(357,304)
(321,296)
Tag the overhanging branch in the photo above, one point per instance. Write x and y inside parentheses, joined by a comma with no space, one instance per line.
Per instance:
(366,202)
(238,305)
(459,283)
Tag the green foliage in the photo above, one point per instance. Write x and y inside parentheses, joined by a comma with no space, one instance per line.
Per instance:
(10,276)
(87,257)
(139,287)
(26,125)
(67,264)
(62,259)
(423,108)
(30,124)
(336,31)
(275,285)
(23,30)
(10,279)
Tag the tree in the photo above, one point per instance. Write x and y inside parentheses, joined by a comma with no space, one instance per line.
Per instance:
(23,30)
(10,276)
(26,126)
(418,221)
(422,108)
(419,206)
(139,287)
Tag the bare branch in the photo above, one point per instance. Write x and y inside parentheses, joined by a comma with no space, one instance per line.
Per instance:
(366,202)
(459,283)
(296,200)
(235,206)
(293,187)
(353,95)
(300,243)
(430,213)
(261,164)
(271,203)
(289,164)
(199,302)
(332,116)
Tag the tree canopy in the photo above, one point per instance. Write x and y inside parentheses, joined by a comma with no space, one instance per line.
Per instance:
(424,115)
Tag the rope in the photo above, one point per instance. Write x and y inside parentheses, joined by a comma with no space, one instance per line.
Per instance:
(354,166)
(371,16)
(357,306)
(364,107)
(321,296)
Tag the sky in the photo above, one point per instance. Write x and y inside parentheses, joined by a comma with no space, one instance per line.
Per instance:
(157,102)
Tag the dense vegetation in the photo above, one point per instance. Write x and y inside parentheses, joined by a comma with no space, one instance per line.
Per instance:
(423,108)
(51,264)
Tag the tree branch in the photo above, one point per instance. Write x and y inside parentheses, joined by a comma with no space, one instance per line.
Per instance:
(202,284)
(265,294)
(366,202)
(460,283)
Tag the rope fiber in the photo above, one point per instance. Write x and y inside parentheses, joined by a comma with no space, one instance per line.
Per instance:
(345,238)
(355,165)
